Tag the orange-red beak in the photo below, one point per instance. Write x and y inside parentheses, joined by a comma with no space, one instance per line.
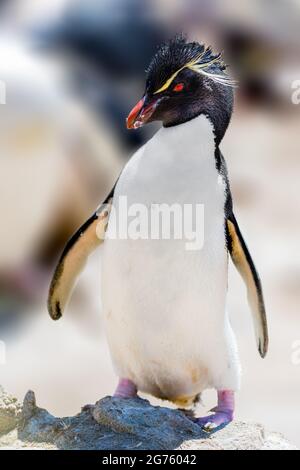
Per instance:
(140,114)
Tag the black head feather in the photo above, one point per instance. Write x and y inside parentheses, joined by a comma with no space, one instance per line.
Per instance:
(175,54)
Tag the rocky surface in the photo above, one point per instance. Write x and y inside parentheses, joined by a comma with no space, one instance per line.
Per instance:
(10,411)
(113,423)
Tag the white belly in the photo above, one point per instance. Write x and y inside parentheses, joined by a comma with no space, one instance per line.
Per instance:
(164,305)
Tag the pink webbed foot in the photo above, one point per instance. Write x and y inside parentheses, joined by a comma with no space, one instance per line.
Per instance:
(125,389)
(223,412)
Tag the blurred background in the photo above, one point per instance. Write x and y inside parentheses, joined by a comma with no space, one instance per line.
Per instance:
(71,72)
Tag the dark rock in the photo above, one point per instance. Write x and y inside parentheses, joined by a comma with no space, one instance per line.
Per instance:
(114,423)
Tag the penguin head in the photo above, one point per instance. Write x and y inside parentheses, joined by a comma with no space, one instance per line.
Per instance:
(184,80)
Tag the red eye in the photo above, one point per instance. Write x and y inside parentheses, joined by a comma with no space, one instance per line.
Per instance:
(178,87)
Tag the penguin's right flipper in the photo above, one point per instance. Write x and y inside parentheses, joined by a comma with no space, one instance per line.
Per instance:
(87,238)
(244,264)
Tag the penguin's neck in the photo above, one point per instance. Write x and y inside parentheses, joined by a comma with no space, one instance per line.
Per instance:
(188,147)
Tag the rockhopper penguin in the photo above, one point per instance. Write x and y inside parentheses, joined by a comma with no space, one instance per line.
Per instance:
(165,306)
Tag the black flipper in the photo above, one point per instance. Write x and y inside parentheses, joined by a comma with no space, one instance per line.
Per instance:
(87,238)
(244,264)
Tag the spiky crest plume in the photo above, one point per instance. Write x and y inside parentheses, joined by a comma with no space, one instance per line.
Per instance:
(178,54)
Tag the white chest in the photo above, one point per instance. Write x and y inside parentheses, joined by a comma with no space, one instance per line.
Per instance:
(176,168)
(177,164)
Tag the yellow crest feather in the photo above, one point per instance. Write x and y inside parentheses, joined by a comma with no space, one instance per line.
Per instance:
(200,68)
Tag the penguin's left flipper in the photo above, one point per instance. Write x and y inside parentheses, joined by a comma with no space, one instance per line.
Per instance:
(87,238)
(244,264)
